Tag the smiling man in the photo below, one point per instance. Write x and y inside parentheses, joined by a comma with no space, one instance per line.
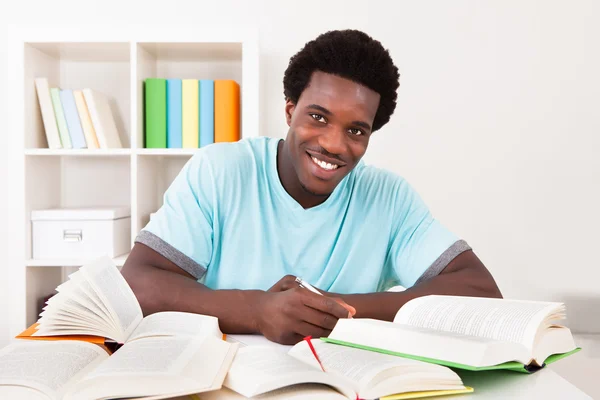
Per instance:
(242,220)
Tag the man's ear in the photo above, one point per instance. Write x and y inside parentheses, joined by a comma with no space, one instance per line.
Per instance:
(289,111)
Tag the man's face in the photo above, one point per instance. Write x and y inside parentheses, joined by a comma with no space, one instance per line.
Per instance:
(329,131)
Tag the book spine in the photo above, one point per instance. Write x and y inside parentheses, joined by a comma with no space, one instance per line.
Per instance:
(47,111)
(60,119)
(102,118)
(174,133)
(72,118)
(156,113)
(227,111)
(207,112)
(86,121)
(189,106)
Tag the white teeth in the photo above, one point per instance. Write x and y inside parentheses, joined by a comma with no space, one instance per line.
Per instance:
(324,165)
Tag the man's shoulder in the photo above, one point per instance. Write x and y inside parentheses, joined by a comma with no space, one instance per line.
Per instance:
(228,158)
(230,153)
(373,180)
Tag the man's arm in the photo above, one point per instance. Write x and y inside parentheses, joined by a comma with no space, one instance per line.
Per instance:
(465,275)
(284,317)
(160,285)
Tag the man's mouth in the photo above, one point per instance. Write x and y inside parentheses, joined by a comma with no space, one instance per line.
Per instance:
(325,165)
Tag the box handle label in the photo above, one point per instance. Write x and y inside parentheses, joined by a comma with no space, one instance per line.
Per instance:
(72,235)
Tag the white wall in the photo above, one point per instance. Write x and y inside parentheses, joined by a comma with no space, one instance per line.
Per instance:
(3,184)
(497,124)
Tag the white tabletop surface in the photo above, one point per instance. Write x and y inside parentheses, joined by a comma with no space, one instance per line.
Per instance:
(544,384)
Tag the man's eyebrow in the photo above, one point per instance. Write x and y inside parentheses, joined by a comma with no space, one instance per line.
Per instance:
(320,108)
(362,124)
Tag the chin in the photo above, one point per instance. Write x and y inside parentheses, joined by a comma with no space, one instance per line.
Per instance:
(316,188)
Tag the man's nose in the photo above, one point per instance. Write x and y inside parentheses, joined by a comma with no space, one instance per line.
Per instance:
(333,141)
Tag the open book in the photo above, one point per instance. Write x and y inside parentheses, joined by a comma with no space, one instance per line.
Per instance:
(466,332)
(164,355)
(265,372)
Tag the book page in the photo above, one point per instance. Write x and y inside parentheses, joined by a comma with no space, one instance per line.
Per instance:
(70,307)
(106,280)
(369,369)
(500,319)
(259,369)
(422,343)
(171,323)
(85,290)
(148,356)
(256,340)
(159,367)
(305,391)
(50,367)
(21,392)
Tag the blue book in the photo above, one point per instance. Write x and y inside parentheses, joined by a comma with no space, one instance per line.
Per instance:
(72,117)
(174,129)
(206,112)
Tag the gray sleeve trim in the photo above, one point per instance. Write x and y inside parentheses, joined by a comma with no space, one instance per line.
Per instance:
(166,250)
(443,260)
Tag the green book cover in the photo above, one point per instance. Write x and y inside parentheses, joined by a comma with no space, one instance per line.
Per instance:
(155,109)
(61,121)
(513,365)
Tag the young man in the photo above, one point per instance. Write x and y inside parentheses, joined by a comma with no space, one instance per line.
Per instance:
(242,220)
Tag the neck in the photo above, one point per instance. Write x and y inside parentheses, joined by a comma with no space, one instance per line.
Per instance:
(291,183)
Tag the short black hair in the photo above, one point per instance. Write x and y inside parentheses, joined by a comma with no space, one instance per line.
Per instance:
(350,54)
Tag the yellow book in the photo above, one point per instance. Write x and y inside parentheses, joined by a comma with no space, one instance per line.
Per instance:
(86,122)
(189,113)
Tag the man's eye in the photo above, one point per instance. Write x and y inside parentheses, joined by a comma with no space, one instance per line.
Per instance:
(319,118)
(356,131)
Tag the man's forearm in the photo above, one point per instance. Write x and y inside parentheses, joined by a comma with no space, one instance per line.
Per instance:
(464,276)
(159,290)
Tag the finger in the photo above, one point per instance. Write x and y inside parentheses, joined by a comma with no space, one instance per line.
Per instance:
(285,283)
(324,304)
(317,318)
(305,329)
(347,306)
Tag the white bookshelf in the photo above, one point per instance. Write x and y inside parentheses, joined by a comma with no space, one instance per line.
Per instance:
(113,60)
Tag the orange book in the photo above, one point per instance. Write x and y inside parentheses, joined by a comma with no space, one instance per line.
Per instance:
(28,334)
(227,111)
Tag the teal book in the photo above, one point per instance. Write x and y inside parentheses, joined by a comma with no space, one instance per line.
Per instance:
(72,118)
(206,109)
(155,113)
(470,333)
(61,121)
(174,130)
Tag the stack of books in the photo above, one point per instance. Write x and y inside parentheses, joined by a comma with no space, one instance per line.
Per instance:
(190,113)
(76,119)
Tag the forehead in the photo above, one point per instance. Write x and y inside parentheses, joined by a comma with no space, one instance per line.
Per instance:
(339,95)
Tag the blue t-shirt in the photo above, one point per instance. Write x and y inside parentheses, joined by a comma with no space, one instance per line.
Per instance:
(228,221)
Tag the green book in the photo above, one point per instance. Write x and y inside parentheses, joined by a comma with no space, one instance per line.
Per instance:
(61,121)
(155,113)
(471,333)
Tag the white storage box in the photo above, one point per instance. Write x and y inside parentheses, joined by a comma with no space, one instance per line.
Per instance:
(81,232)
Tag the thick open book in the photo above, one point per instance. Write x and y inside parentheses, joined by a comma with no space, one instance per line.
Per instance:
(164,354)
(466,332)
(265,372)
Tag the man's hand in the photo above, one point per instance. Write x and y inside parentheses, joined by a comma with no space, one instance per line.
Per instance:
(289,282)
(288,315)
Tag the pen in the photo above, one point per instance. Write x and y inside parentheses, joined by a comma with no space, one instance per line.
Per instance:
(302,283)
(307,285)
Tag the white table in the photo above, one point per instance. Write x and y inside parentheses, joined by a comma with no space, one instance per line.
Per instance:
(491,385)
